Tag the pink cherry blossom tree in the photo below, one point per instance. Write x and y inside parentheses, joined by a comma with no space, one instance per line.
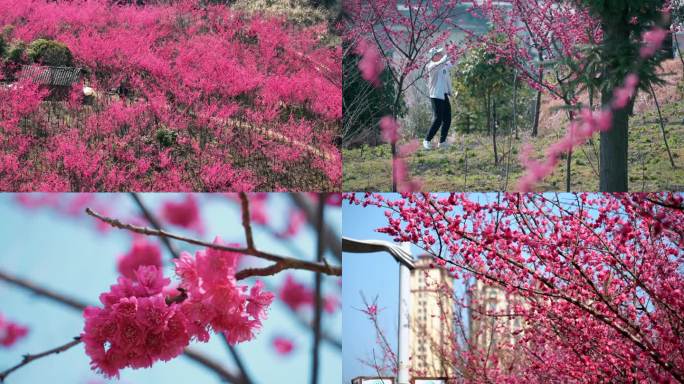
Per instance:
(595,280)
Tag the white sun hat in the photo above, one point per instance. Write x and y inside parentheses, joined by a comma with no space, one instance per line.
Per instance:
(435,50)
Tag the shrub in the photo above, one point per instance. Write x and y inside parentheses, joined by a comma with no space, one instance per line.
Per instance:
(50,52)
(15,52)
(166,137)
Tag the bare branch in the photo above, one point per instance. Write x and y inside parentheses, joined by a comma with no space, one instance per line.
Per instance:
(318,288)
(266,271)
(155,223)
(44,292)
(295,263)
(332,239)
(28,358)
(212,364)
(246,221)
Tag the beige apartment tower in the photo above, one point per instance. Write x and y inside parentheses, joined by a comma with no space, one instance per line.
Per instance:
(493,324)
(432,320)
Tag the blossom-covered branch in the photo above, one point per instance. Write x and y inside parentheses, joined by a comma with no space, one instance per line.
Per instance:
(290,262)
(80,306)
(609,265)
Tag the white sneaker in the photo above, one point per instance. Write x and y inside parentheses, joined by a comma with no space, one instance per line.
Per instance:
(427,145)
(443,145)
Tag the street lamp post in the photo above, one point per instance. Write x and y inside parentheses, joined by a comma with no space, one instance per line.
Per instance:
(402,254)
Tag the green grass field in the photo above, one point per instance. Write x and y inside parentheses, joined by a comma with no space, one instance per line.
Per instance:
(469,164)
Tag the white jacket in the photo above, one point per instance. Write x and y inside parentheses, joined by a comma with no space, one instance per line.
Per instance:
(439,80)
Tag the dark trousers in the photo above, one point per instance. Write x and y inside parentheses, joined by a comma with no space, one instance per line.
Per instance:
(441,116)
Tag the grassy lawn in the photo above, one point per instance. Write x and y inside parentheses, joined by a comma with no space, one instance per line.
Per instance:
(469,164)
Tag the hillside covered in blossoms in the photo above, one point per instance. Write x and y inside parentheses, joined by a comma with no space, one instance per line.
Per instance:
(96,96)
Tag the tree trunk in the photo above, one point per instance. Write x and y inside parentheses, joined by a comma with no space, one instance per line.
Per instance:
(515,103)
(613,171)
(493,120)
(489,114)
(568,162)
(537,106)
(613,168)
(537,110)
(395,114)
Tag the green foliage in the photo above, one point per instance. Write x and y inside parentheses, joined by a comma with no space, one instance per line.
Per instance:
(15,52)
(363,105)
(3,46)
(166,137)
(50,52)
(7,31)
(619,50)
(479,77)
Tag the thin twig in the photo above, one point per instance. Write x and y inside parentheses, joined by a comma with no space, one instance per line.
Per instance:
(331,238)
(246,220)
(212,364)
(266,271)
(44,292)
(28,358)
(318,309)
(244,377)
(155,223)
(294,263)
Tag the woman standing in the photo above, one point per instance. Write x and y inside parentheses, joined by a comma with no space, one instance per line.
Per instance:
(439,82)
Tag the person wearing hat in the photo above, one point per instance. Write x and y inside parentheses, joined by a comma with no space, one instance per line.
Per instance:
(439,83)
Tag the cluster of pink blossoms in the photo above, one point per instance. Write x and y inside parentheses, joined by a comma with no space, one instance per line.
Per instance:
(143,320)
(215,300)
(142,253)
(136,327)
(183,214)
(297,295)
(282,345)
(371,64)
(11,332)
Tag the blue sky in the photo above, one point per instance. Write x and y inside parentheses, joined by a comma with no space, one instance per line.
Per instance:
(374,274)
(69,256)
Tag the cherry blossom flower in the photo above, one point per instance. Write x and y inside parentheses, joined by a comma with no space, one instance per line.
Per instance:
(183,213)
(141,322)
(390,129)
(282,345)
(295,294)
(371,64)
(11,332)
(142,253)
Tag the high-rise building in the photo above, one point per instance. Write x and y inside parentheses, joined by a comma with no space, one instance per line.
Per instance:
(432,320)
(493,324)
